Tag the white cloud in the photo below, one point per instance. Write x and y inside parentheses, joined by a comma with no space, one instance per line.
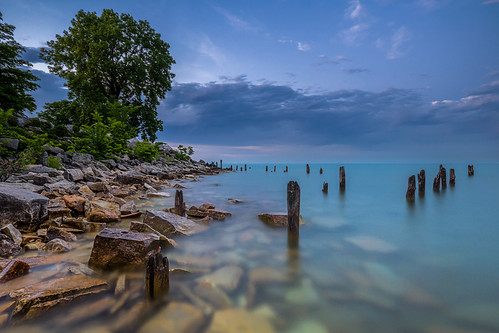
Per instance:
(41,66)
(355,10)
(354,33)
(303,46)
(394,46)
(235,21)
(209,49)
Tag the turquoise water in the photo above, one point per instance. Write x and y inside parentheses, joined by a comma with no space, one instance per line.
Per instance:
(367,260)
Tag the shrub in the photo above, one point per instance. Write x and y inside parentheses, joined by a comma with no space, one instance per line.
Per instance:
(54,162)
(184,153)
(146,151)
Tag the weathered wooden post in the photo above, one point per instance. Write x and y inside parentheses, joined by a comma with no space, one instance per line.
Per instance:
(308,168)
(320,171)
(286,168)
(245,169)
(179,203)
(221,167)
(157,276)
(452,177)
(293,207)
(411,189)
(325,187)
(471,172)
(443,176)
(237,166)
(266,168)
(421,182)
(231,167)
(274,168)
(436,183)
(342,178)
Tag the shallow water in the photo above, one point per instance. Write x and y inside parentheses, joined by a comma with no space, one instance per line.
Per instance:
(367,260)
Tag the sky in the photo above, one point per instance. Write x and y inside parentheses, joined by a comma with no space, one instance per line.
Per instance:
(318,81)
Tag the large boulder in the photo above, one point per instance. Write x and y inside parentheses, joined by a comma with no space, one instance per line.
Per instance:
(170,224)
(43,169)
(120,248)
(102,211)
(132,177)
(24,209)
(73,175)
(10,231)
(12,144)
(75,202)
(23,186)
(61,185)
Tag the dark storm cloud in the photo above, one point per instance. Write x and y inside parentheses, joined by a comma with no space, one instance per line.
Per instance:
(32,54)
(51,89)
(238,112)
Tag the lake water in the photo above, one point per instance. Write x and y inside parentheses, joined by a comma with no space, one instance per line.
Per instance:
(367,260)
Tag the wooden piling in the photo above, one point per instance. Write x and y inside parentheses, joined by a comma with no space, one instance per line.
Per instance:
(293,208)
(452,177)
(325,187)
(436,183)
(411,188)
(443,176)
(421,182)
(221,167)
(245,169)
(471,171)
(274,168)
(266,168)
(179,203)
(320,171)
(342,178)
(237,166)
(157,276)
(308,168)
(286,168)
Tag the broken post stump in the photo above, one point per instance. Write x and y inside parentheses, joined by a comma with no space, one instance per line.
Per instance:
(237,166)
(245,169)
(179,203)
(443,176)
(421,182)
(342,178)
(293,207)
(411,188)
(471,172)
(436,183)
(266,168)
(308,168)
(320,171)
(274,168)
(157,276)
(286,168)
(221,164)
(325,187)
(452,177)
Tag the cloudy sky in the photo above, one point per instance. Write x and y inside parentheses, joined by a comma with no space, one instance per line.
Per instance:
(338,81)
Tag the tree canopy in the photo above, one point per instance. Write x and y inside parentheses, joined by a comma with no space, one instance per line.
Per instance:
(112,58)
(16,80)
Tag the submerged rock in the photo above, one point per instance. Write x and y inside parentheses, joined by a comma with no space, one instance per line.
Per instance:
(276,219)
(373,244)
(54,232)
(227,277)
(56,245)
(175,318)
(13,270)
(120,248)
(170,224)
(24,209)
(128,208)
(213,295)
(239,320)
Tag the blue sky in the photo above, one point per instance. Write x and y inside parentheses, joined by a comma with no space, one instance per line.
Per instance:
(338,81)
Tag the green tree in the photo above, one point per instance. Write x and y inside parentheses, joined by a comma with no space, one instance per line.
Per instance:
(113,58)
(16,80)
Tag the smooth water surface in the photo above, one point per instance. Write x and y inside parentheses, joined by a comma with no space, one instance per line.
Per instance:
(367,260)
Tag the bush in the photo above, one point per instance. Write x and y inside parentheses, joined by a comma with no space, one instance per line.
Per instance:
(184,153)
(54,162)
(146,151)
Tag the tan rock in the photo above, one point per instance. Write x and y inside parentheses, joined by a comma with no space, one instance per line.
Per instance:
(13,270)
(86,191)
(276,219)
(171,224)
(175,318)
(239,321)
(213,295)
(102,211)
(227,277)
(75,202)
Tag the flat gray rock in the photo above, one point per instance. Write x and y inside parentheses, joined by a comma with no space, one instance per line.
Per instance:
(170,224)
(24,209)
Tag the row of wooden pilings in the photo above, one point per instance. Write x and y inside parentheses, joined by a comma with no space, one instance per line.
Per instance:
(440,178)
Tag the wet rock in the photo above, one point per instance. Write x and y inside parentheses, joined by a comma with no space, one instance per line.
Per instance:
(56,212)
(171,224)
(144,228)
(305,294)
(55,291)
(54,232)
(194,212)
(158,195)
(7,247)
(309,325)
(368,243)
(75,202)
(119,248)
(73,175)
(132,177)
(84,226)
(24,209)
(13,270)
(128,208)
(266,275)
(10,231)
(218,214)
(206,206)
(56,245)
(239,320)
(121,192)
(235,201)
(177,317)
(276,219)
(99,187)
(227,277)
(102,211)
(213,295)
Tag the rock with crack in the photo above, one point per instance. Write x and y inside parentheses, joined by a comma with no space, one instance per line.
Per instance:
(170,224)
(120,248)
(102,211)
(24,209)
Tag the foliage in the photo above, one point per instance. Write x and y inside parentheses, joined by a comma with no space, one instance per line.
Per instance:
(103,140)
(111,58)
(146,151)
(184,153)
(54,162)
(16,79)
(9,167)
